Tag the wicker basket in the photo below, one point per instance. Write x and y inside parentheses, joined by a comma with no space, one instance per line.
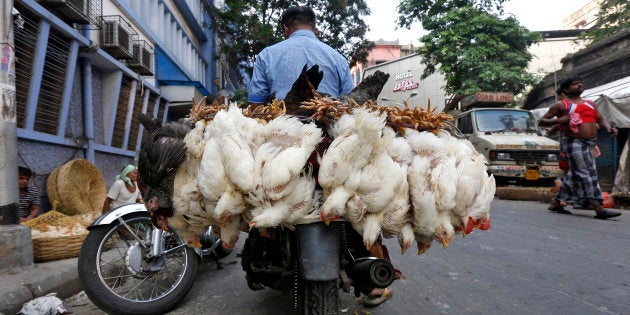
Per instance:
(76,187)
(57,246)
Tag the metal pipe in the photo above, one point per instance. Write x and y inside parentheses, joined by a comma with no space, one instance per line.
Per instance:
(88,106)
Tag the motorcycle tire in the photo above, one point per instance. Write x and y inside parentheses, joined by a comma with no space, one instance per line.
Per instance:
(117,276)
(321,297)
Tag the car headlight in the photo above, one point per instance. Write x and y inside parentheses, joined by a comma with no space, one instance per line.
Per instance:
(552,157)
(503,156)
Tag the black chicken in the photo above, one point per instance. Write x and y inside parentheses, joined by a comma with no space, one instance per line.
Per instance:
(303,89)
(368,89)
(160,155)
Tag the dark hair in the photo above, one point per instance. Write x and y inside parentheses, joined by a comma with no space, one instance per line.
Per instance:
(23,171)
(567,82)
(298,15)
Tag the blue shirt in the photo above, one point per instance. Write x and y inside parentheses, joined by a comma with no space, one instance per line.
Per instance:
(279,65)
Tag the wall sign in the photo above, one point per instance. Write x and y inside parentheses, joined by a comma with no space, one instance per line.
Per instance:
(403,75)
(406,85)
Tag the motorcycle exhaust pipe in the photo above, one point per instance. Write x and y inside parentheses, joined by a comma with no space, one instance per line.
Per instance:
(372,271)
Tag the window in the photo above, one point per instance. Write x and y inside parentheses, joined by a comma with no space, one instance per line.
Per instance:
(504,120)
(465,125)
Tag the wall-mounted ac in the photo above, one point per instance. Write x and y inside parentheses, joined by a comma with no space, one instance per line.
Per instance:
(143,58)
(117,37)
(74,11)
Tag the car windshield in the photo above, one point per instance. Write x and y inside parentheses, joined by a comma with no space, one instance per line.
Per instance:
(504,120)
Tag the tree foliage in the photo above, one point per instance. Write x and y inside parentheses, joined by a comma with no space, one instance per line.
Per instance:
(246,27)
(475,50)
(612,17)
(412,10)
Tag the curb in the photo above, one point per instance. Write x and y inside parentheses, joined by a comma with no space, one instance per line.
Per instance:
(23,284)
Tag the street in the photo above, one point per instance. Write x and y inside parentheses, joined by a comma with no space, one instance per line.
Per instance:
(531,261)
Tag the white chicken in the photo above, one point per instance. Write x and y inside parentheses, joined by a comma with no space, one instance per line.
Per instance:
(348,153)
(231,229)
(292,209)
(429,222)
(471,177)
(401,151)
(424,210)
(190,218)
(381,177)
(237,146)
(288,145)
(479,213)
(380,190)
(220,156)
(211,176)
(284,190)
(396,221)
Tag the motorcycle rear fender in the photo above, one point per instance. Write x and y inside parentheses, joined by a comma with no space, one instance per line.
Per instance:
(113,214)
(318,251)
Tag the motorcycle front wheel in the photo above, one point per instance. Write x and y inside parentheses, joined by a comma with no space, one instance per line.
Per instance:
(121,277)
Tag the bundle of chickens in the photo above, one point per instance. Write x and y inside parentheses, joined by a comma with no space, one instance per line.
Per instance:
(393,172)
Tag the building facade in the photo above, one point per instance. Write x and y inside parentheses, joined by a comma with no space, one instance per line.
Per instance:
(86,68)
(383,51)
(405,83)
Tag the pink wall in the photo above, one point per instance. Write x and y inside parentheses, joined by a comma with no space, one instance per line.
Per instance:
(379,54)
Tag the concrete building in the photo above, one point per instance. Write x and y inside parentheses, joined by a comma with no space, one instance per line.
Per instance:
(85,68)
(583,18)
(404,83)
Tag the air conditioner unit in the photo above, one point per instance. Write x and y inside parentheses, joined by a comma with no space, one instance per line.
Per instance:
(143,58)
(116,39)
(74,11)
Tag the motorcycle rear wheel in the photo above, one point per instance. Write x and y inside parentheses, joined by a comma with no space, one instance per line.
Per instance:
(321,297)
(117,277)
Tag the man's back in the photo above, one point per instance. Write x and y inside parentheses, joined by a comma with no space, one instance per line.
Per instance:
(279,65)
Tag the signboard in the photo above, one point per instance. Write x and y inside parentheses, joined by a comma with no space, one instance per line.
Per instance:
(488,98)
(405,85)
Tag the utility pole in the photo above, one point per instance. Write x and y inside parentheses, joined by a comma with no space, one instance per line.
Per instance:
(9,200)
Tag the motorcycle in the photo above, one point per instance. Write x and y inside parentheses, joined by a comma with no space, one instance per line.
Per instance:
(129,266)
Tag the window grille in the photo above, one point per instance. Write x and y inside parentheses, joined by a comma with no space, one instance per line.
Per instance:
(52,86)
(49,99)
(135,125)
(25,38)
(118,134)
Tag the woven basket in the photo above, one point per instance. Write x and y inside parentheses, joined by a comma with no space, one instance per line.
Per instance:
(55,248)
(51,187)
(76,187)
(58,246)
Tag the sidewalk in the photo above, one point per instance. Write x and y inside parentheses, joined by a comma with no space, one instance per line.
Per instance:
(20,285)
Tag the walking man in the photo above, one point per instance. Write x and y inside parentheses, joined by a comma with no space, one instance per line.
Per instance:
(578,119)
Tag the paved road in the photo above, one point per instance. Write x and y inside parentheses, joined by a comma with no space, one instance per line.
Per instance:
(530,262)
